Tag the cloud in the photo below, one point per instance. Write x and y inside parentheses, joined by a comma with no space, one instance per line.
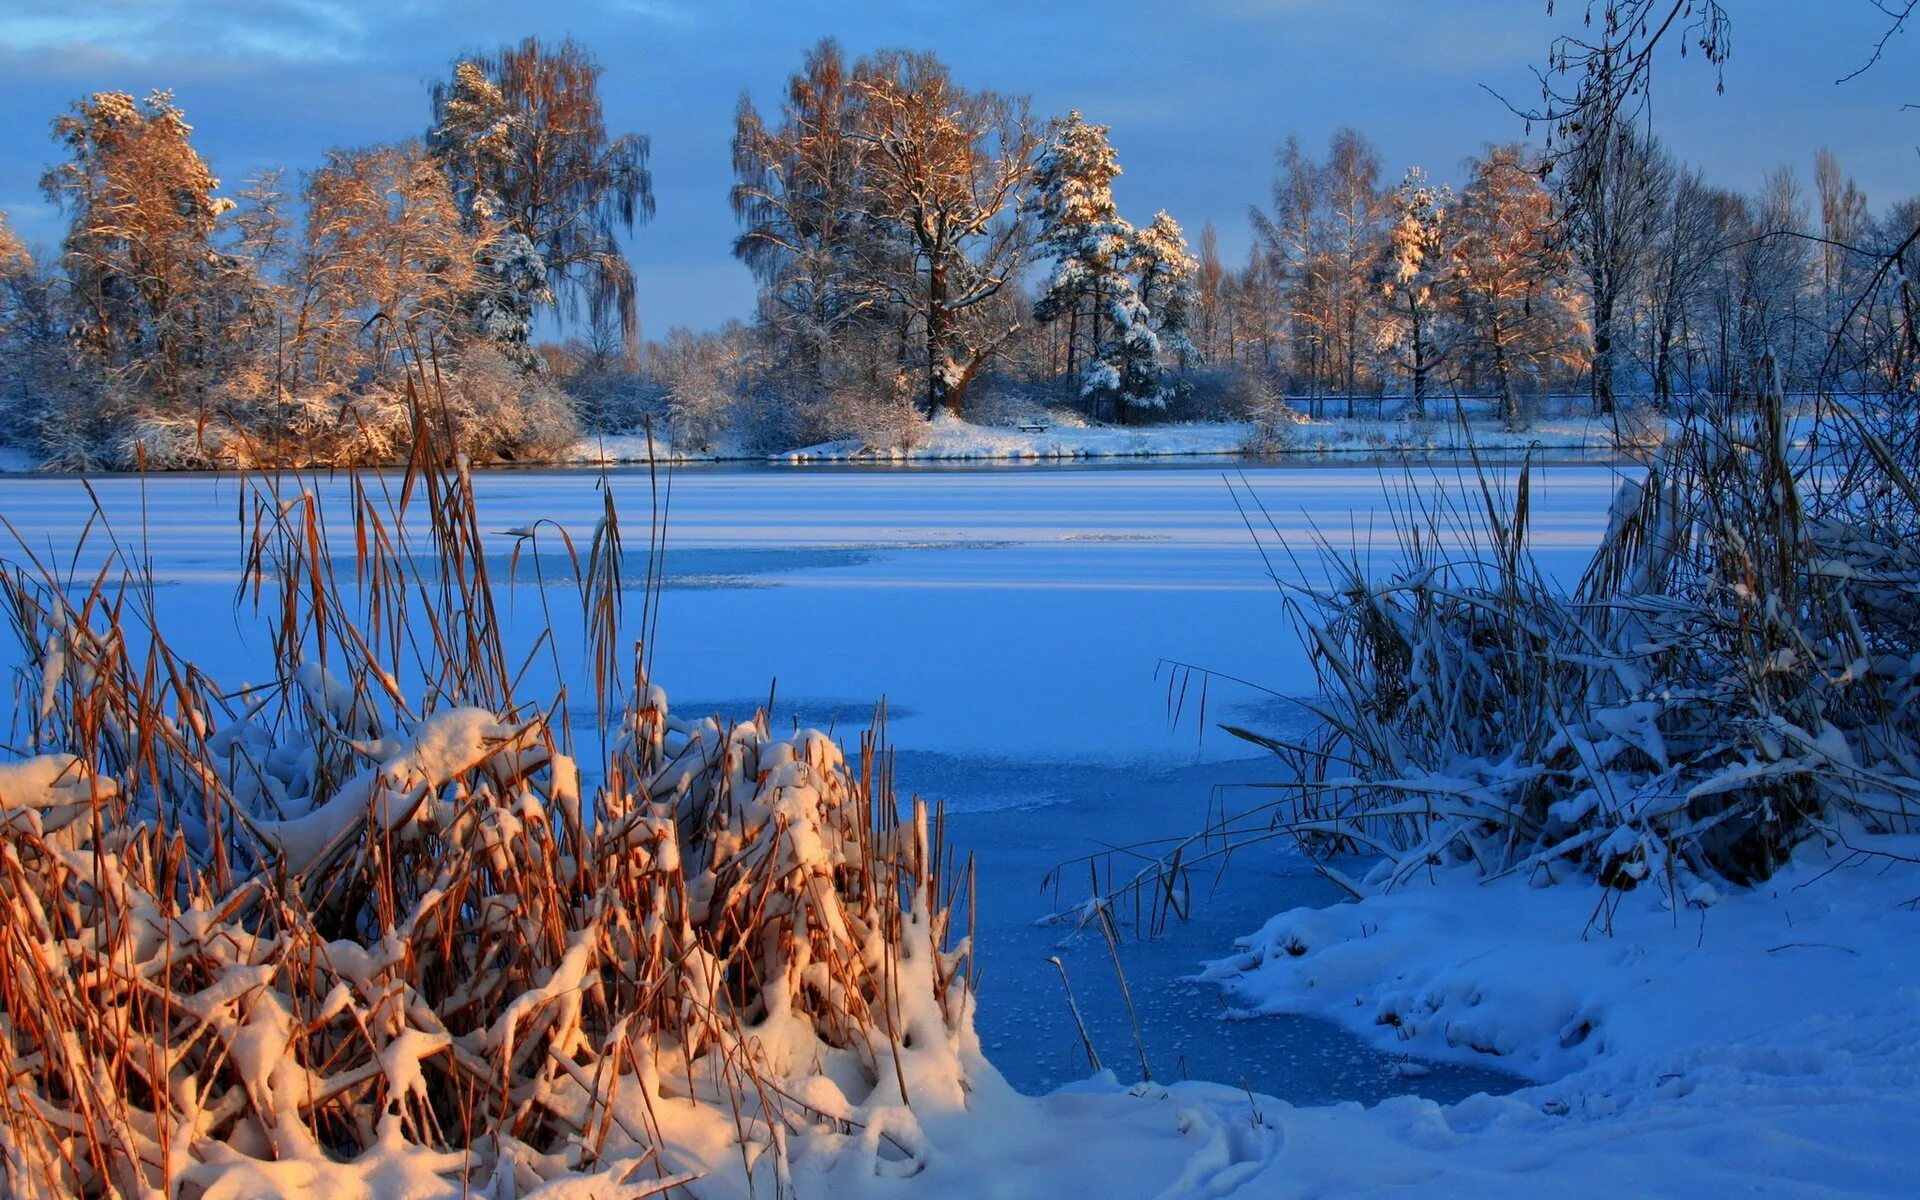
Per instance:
(150,30)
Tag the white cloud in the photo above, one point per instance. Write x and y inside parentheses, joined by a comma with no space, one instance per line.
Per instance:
(145,30)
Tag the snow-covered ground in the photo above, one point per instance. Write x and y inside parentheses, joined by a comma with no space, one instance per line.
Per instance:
(1768,1044)
(949,439)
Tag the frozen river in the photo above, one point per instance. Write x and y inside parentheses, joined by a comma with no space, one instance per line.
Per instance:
(1016,621)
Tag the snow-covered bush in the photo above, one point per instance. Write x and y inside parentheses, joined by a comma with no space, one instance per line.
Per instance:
(503,412)
(883,416)
(1274,421)
(1735,670)
(364,931)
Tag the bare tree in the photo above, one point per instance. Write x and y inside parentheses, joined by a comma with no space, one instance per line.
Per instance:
(1613,192)
(796,198)
(945,171)
(1210,289)
(1356,209)
(1692,240)
(1292,241)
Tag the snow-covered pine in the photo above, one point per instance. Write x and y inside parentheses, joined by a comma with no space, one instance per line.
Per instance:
(1091,246)
(1165,270)
(1415,272)
(363,930)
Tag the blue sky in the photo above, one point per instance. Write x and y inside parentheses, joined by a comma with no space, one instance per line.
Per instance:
(1198,92)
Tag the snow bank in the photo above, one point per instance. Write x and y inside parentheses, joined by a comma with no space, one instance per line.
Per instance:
(949,439)
(1547,981)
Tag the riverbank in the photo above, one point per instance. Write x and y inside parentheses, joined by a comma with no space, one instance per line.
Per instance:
(949,439)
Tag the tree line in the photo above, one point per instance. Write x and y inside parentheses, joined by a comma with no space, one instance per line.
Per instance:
(920,248)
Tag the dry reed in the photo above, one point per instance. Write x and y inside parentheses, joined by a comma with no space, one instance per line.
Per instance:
(369,907)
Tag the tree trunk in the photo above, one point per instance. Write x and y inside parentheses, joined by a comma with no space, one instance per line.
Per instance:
(1509,407)
(1602,371)
(939,337)
(1420,367)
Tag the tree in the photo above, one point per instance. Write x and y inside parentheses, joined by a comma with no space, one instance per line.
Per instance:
(522,137)
(1323,240)
(1507,274)
(388,260)
(1414,277)
(1164,273)
(1844,223)
(1080,229)
(1772,271)
(139,252)
(943,167)
(1210,296)
(1292,242)
(700,378)
(1613,191)
(1688,249)
(1355,209)
(16,269)
(802,235)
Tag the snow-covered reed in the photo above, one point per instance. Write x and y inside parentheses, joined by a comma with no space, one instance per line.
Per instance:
(362,930)
(1735,671)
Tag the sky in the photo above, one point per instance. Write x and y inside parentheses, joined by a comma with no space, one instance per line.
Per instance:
(1198,92)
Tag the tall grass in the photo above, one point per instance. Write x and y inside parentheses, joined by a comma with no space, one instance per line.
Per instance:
(1736,670)
(368,909)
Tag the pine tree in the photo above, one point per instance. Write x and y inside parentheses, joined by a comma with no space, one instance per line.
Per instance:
(1081,230)
(1415,272)
(1164,271)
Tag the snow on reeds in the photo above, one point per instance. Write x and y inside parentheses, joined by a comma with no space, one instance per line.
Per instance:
(1736,671)
(362,930)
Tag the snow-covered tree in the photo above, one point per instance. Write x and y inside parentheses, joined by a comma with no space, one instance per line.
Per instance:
(1164,271)
(1092,286)
(523,138)
(388,261)
(1079,228)
(16,265)
(819,261)
(1129,357)
(1322,240)
(1515,309)
(944,171)
(139,255)
(1414,277)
